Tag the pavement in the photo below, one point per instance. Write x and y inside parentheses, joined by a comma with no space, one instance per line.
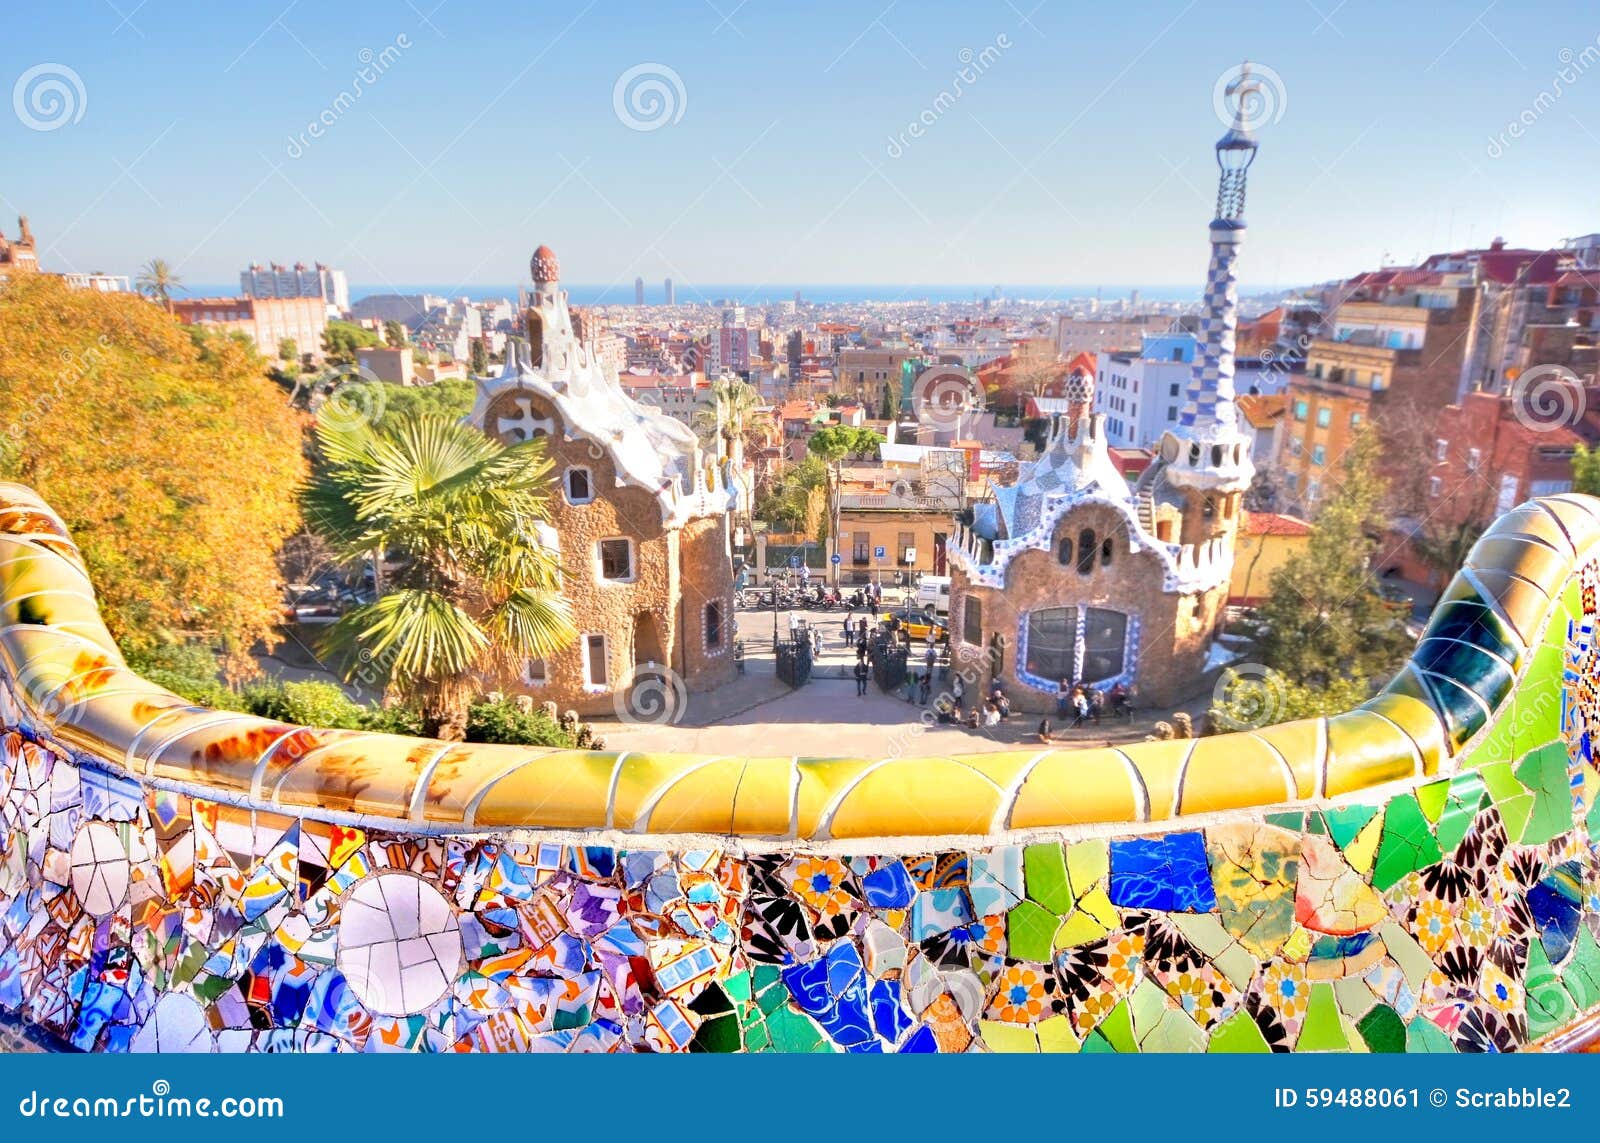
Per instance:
(760,716)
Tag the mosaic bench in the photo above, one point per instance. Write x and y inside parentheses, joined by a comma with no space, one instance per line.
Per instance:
(1414,875)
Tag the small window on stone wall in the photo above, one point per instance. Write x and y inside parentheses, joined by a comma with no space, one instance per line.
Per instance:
(580,488)
(972,622)
(1106,547)
(1086,550)
(713,626)
(1064,552)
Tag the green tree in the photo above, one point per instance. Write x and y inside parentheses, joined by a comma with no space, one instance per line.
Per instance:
(478,357)
(733,401)
(157,281)
(1323,619)
(394,333)
(342,339)
(167,450)
(476,590)
(1586,470)
(289,354)
(832,445)
(451,398)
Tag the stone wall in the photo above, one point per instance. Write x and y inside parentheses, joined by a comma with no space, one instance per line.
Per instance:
(1173,631)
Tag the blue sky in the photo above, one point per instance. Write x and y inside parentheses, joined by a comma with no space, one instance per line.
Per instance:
(1082,154)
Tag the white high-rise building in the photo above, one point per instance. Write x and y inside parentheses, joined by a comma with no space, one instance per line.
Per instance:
(298,281)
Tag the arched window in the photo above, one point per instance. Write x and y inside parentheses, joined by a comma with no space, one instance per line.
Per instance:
(1086,550)
(1064,552)
(972,622)
(1106,547)
(713,625)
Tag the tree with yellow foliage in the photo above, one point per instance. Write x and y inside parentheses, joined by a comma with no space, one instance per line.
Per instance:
(173,458)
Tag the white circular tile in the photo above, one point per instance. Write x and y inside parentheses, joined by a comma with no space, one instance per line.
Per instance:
(399,943)
(99,868)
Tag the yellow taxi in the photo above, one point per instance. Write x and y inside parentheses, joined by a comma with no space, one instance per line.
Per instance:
(919,623)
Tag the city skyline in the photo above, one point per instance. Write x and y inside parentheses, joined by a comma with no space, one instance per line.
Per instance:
(773,147)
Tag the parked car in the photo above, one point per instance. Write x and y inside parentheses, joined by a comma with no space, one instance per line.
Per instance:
(918,622)
(933,595)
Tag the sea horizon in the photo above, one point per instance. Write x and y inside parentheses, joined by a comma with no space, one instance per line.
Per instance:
(590,294)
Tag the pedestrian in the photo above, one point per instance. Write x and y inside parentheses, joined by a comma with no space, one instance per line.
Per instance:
(1080,707)
(1097,704)
(925,688)
(991,717)
(1044,730)
(861,675)
(931,655)
(1063,700)
(958,690)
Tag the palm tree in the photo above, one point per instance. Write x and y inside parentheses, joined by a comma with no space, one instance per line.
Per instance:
(157,282)
(476,589)
(732,402)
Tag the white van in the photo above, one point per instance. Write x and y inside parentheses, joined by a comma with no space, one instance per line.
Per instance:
(933,594)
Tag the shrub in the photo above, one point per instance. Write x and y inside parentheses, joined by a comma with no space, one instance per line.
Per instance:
(503,721)
(393,720)
(305,704)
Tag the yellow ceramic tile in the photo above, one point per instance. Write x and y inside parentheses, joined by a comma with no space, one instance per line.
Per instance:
(212,747)
(1232,771)
(361,774)
(1160,764)
(763,803)
(820,782)
(914,797)
(1580,515)
(1013,1038)
(569,789)
(1055,1035)
(72,612)
(699,802)
(1525,604)
(1530,560)
(108,720)
(1365,750)
(1419,721)
(1078,928)
(1087,863)
(1073,787)
(1361,852)
(1097,904)
(465,772)
(1532,522)
(1002,767)
(641,778)
(1301,744)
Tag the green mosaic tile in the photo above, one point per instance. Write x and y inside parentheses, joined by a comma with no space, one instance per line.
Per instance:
(1146,1007)
(794,1032)
(1175,1032)
(1292,821)
(1355,998)
(1544,772)
(1117,1028)
(1549,1006)
(1044,870)
(1466,793)
(1408,844)
(1422,1035)
(1383,1030)
(737,986)
(1095,1042)
(1431,798)
(1055,1035)
(1407,953)
(1322,1030)
(757,1038)
(1008,1039)
(1346,821)
(1030,931)
(1581,974)
(1237,1035)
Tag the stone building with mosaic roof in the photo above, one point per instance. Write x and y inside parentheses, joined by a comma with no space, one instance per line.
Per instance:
(639,513)
(1074,573)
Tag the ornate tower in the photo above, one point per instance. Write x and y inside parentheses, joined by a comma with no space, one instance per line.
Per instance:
(1207,455)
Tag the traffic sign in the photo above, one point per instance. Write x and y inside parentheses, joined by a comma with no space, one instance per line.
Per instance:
(795,561)
(837,558)
(879,553)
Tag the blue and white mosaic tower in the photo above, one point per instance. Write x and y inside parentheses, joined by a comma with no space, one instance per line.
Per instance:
(1207,451)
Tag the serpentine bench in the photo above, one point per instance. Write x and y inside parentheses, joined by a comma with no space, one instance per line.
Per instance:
(1414,875)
